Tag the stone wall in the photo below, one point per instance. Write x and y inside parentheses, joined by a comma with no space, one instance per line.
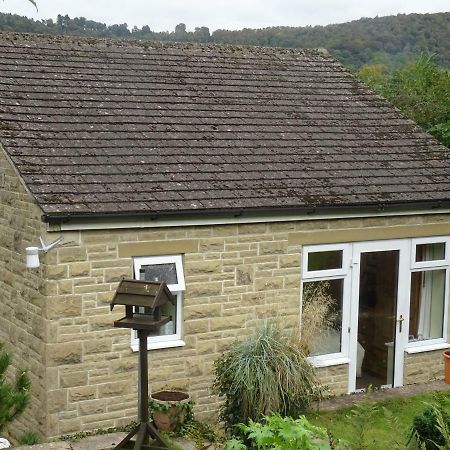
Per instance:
(235,275)
(424,367)
(22,294)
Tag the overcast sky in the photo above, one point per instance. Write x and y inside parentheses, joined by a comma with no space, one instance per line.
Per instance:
(163,15)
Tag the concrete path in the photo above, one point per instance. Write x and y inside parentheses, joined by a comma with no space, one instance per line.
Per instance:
(345,401)
(101,442)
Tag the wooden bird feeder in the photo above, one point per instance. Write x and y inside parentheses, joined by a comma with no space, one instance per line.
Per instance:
(142,301)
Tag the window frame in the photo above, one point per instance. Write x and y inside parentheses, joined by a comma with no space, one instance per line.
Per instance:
(177,289)
(426,266)
(342,357)
(343,271)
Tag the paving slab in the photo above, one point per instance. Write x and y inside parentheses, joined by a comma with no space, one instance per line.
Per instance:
(100,442)
(50,446)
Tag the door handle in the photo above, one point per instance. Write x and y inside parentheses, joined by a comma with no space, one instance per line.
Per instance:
(400,323)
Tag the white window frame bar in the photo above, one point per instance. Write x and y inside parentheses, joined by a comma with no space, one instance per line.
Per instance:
(177,289)
(433,263)
(341,357)
(343,271)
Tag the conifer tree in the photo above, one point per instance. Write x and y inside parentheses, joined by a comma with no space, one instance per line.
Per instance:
(14,397)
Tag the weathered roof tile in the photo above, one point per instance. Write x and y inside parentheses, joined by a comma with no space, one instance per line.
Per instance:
(124,127)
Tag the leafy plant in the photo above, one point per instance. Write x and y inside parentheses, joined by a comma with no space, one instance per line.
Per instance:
(30,438)
(431,424)
(177,410)
(13,397)
(283,433)
(362,417)
(265,373)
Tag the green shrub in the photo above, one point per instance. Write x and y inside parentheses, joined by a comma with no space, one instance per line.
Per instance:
(13,397)
(265,373)
(429,424)
(284,434)
(30,438)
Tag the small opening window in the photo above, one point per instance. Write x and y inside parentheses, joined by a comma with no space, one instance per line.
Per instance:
(168,269)
(430,252)
(325,260)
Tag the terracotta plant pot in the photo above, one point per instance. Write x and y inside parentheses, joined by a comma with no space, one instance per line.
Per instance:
(446,356)
(171,409)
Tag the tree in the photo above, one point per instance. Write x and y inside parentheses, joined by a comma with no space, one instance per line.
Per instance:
(13,397)
(420,89)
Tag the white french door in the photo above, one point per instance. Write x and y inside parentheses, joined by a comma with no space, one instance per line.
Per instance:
(379,311)
(389,298)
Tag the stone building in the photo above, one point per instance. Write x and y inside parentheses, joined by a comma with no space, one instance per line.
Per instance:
(244,178)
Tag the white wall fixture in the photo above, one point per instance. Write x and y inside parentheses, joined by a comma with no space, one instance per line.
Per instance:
(4,443)
(32,253)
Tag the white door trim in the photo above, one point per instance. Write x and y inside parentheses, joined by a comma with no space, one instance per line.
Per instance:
(401,338)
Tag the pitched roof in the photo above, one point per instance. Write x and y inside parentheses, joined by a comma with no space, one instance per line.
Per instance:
(124,127)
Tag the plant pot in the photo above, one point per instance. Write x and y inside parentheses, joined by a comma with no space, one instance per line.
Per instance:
(446,355)
(169,409)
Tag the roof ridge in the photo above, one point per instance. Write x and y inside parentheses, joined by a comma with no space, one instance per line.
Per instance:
(153,44)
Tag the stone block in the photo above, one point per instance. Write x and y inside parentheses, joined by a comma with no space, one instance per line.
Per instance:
(202,311)
(269,283)
(244,275)
(196,326)
(202,267)
(82,393)
(80,269)
(62,354)
(67,306)
(72,379)
(114,389)
(56,401)
(273,248)
(212,245)
(203,289)
(71,254)
(227,323)
(113,275)
(98,346)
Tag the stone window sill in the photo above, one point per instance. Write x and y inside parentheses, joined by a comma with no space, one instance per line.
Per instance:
(426,348)
(159,345)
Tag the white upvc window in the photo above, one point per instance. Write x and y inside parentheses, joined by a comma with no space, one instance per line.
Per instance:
(428,314)
(168,269)
(325,274)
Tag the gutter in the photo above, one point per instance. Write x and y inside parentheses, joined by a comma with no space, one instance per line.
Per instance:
(308,211)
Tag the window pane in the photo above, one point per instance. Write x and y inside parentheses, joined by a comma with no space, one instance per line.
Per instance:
(169,327)
(427,305)
(322,316)
(430,252)
(159,272)
(325,260)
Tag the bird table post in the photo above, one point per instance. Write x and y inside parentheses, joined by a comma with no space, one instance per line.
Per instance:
(142,301)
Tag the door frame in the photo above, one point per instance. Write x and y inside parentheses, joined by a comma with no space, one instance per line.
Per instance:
(403,287)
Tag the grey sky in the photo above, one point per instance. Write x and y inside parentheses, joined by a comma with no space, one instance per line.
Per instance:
(229,14)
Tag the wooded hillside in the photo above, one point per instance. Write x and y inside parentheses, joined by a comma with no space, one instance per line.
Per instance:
(391,40)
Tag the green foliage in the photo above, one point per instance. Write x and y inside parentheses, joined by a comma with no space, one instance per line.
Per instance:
(30,438)
(430,427)
(13,397)
(441,132)
(390,41)
(420,90)
(283,433)
(265,373)
(180,409)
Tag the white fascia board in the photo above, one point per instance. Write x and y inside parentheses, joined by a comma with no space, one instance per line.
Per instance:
(166,221)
